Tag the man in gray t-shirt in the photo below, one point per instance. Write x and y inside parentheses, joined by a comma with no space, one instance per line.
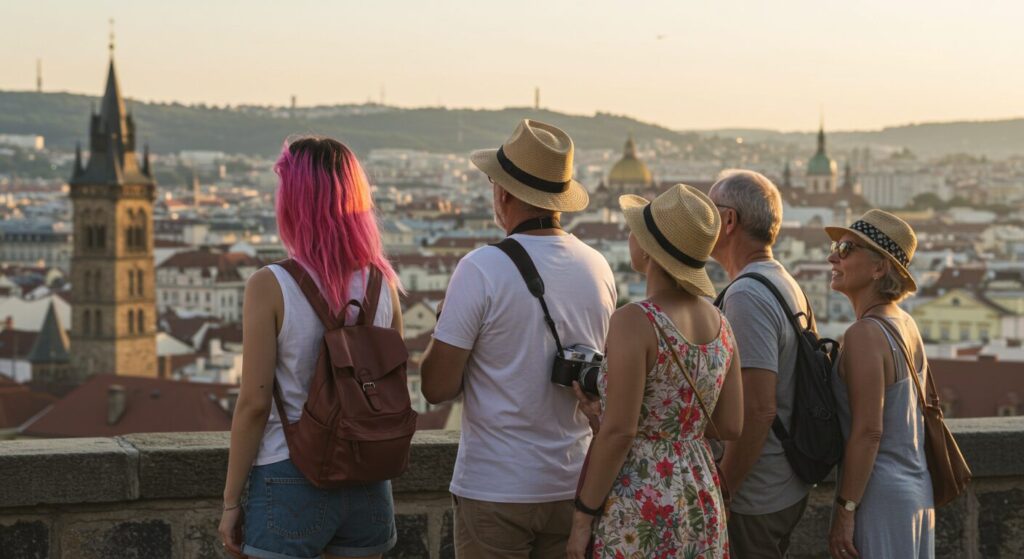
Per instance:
(768,497)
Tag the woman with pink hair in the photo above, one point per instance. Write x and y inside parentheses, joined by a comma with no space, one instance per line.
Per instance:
(327,224)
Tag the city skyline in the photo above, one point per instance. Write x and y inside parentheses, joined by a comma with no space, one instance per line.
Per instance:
(743,65)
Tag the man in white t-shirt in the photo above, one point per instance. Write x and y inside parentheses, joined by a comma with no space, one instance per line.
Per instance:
(523,437)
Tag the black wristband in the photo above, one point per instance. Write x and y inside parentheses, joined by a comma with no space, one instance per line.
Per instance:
(587,510)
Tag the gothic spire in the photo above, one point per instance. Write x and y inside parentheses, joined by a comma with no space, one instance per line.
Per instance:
(630,149)
(78,160)
(51,345)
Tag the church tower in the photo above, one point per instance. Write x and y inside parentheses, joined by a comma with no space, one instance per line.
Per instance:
(113,324)
(821,169)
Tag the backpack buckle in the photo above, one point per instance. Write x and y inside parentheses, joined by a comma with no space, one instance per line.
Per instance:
(367,386)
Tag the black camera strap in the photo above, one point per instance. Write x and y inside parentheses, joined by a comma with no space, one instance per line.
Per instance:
(534,283)
(535,223)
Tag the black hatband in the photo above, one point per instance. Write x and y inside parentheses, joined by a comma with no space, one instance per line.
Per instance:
(666,245)
(532,181)
(882,240)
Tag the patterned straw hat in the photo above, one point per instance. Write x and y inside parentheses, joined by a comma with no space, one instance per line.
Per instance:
(535,165)
(887,234)
(678,229)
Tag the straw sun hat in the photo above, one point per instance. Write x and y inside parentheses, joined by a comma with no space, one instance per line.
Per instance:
(887,234)
(678,229)
(535,165)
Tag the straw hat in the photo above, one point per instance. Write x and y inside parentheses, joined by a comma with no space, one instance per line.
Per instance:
(678,229)
(535,165)
(887,234)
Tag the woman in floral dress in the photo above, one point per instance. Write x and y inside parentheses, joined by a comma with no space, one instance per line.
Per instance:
(650,489)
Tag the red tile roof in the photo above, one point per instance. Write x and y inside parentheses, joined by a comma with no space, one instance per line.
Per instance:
(226,263)
(152,406)
(596,231)
(18,403)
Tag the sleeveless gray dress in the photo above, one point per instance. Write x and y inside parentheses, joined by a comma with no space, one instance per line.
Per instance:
(896,517)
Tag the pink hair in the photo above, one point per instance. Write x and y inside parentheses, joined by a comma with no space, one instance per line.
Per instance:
(325,215)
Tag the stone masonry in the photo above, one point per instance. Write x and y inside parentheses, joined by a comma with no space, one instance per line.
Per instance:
(158,496)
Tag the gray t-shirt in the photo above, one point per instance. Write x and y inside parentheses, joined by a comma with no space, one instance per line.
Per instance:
(766,340)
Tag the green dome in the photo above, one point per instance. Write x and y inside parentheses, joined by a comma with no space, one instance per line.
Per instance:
(821,165)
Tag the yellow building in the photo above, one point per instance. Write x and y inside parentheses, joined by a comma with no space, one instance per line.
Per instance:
(960,316)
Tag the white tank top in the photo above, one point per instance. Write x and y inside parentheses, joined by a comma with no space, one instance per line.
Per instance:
(298,346)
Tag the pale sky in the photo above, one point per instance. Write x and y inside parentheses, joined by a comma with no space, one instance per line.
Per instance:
(685,64)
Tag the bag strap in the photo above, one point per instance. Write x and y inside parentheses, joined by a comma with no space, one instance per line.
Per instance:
(312,292)
(689,379)
(371,297)
(531,276)
(911,370)
(794,320)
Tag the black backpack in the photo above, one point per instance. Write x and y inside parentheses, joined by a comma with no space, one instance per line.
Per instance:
(814,442)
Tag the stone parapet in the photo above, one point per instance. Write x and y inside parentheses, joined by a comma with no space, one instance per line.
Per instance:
(158,495)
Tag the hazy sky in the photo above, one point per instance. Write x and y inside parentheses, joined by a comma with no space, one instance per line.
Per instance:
(682,63)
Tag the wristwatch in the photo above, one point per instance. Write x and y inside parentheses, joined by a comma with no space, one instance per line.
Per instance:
(848,505)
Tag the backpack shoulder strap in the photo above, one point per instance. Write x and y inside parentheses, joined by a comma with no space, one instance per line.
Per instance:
(371,298)
(312,292)
(531,276)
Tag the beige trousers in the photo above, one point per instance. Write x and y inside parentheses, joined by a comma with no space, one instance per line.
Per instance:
(486,530)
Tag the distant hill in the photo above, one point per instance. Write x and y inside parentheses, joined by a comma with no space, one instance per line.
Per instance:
(994,138)
(63,119)
(170,127)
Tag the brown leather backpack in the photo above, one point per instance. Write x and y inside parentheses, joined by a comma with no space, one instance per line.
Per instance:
(357,422)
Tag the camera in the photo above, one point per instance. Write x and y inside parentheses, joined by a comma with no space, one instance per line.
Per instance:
(577,363)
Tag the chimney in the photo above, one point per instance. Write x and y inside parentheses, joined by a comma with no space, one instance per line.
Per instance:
(215,349)
(231,399)
(164,367)
(116,403)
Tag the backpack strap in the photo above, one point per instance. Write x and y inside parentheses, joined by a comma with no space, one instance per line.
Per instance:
(534,283)
(371,297)
(794,320)
(312,292)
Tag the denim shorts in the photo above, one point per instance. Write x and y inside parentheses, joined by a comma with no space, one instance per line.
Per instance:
(286,517)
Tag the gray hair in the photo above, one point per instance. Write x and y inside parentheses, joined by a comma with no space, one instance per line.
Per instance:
(756,200)
(891,285)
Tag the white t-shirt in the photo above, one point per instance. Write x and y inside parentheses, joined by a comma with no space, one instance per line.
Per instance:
(298,347)
(523,440)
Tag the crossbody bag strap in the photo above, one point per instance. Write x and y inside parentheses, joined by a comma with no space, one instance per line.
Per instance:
(686,374)
(911,370)
(531,276)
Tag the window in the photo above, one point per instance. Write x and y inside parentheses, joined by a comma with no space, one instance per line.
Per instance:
(926,329)
(1006,410)
(140,319)
(87,322)
(131,282)
(139,283)
(965,331)
(983,331)
(98,322)
(131,322)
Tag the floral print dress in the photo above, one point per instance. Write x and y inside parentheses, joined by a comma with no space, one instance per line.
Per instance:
(666,500)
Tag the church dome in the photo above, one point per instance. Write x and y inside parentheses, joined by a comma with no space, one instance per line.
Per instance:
(821,164)
(630,170)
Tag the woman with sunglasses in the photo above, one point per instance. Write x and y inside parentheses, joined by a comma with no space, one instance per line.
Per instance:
(884,505)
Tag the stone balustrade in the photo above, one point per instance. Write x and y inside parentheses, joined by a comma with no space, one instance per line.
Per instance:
(158,496)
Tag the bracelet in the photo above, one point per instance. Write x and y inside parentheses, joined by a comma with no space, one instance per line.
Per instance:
(587,510)
(232,507)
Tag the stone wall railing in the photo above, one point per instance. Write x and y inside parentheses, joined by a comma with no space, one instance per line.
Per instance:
(158,496)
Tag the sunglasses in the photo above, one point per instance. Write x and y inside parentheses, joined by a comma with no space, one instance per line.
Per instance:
(843,248)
